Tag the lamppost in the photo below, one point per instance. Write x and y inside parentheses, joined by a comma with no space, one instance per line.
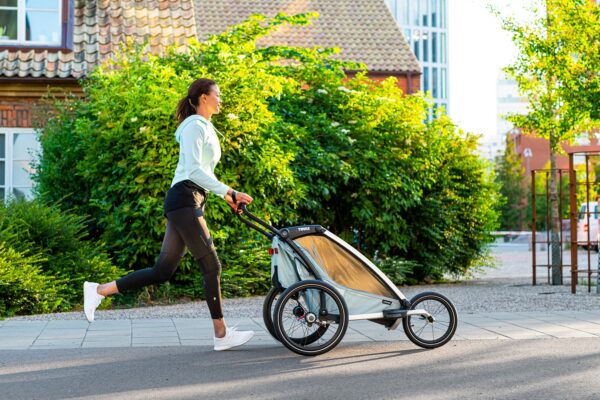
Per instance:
(528,154)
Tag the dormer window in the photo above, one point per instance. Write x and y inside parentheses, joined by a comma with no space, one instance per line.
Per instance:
(31,22)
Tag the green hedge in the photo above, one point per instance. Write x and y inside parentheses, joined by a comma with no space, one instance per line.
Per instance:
(63,258)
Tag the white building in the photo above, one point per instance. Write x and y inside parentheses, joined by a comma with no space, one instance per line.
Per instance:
(425,28)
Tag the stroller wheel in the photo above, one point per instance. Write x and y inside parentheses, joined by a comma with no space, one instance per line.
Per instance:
(268,308)
(438,327)
(310,317)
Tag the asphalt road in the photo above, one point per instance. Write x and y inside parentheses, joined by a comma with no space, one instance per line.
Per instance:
(520,369)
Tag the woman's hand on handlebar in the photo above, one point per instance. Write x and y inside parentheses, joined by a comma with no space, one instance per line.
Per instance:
(240,197)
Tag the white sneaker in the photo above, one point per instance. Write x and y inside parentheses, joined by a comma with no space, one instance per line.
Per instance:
(232,338)
(91,299)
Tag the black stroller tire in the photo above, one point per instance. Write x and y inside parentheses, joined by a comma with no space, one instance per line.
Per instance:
(416,327)
(306,346)
(268,310)
(270,298)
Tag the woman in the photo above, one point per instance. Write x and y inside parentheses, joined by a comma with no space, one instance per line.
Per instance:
(199,153)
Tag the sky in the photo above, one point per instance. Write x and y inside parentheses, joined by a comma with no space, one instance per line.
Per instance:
(477,50)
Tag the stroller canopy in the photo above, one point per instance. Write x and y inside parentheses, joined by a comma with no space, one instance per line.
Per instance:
(342,266)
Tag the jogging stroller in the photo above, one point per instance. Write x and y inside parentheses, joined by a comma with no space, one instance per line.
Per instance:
(320,283)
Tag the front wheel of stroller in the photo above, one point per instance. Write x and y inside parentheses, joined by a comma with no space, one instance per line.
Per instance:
(310,317)
(436,329)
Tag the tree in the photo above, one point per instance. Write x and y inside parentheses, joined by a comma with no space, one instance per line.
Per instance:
(557,70)
(510,175)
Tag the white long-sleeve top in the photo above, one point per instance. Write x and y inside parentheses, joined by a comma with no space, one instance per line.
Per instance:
(199,154)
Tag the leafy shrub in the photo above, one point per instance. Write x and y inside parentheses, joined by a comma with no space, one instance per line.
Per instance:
(397,269)
(24,289)
(308,143)
(59,238)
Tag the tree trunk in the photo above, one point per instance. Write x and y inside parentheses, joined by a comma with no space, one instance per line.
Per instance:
(554,227)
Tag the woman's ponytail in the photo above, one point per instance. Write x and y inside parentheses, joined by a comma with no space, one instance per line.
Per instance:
(189,104)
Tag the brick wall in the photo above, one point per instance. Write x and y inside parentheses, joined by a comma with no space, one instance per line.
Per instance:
(16,113)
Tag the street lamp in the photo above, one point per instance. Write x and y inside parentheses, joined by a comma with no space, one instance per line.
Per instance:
(528,154)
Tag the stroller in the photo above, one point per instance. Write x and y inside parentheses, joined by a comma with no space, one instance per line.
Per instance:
(320,283)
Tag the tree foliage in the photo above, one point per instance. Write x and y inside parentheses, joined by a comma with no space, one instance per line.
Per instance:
(510,175)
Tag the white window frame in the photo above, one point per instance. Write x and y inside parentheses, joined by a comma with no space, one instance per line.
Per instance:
(9,158)
(21,8)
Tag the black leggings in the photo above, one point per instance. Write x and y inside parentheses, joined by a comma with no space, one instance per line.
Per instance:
(186,227)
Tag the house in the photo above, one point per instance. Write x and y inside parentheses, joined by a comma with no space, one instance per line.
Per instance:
(53,44)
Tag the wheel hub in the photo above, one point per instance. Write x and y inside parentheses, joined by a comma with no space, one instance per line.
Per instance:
(310,318)
(298,312)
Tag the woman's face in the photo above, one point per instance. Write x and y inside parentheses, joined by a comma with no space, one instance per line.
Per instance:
(212,100)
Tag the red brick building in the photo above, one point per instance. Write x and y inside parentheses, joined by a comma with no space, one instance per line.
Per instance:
(55,46)
(539,151)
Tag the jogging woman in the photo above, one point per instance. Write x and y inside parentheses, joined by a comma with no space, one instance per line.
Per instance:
(199,153)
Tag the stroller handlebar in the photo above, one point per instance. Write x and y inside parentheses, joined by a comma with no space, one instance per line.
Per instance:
(246,216)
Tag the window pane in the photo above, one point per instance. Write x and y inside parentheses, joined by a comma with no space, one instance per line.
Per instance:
(443,83)
(434,83)
(22,174)
(2,169)
(414,12)
(425,37)
(23,193)
(8,3)
(24,144)
(8,24)
(424,14)
(434,16)
(425,79)
(403,11)
(42,26)
(443,48)
(2,194)
(407,36)
(442,13)
(42,4)
(416,44)
(2,145)
(434,47)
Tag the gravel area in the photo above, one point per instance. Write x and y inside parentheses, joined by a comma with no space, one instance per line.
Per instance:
(504,288)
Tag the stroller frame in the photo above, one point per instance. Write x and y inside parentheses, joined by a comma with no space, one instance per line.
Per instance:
(402,309)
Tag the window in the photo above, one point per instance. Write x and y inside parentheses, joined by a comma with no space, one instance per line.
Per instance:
(425,79)
(31,22)
(414,12)
(18,148)
(434,14)
(434,47)
(425,39)
(443,84)
(443,48)
(434,83)
(416,40)
(424,14)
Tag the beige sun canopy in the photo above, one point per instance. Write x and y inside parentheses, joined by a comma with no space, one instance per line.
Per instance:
(341,266)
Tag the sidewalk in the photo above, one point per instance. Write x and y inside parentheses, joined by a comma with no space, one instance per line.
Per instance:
(60,334)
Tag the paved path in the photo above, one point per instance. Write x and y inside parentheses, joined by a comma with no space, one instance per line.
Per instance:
(538,369)
(22,335)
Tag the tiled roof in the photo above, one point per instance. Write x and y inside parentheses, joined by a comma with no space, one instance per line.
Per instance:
(99,27)
(364,30)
